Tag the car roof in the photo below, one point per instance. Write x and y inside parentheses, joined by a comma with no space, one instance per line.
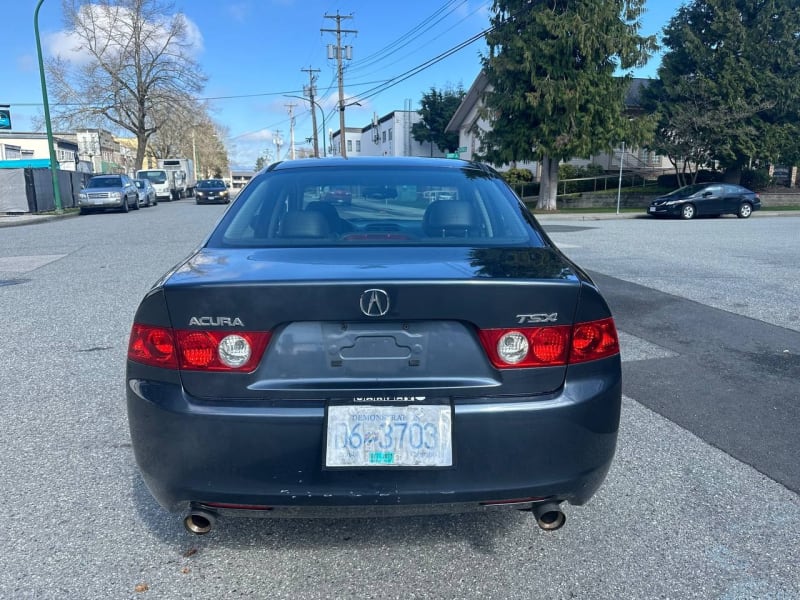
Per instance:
(376,161)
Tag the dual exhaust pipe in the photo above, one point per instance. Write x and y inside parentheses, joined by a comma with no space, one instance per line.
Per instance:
(549,517)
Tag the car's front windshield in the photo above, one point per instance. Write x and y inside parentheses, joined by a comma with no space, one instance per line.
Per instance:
(354,205)
(209,183)
(154,176)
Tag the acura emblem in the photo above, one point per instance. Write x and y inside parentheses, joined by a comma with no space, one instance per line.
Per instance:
(374,303)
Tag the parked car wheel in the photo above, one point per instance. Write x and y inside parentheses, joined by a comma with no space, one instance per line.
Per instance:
(745,210)
(125,208)
(136,203)
(688,211)
(84,211)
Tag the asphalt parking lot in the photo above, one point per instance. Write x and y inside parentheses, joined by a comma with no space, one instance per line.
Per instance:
(680,516)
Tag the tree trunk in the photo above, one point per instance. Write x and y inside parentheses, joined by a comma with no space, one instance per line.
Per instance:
(141,148)
(548,186)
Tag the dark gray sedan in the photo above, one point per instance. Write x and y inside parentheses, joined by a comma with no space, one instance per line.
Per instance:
(211,191)
(706,199)
(394,355)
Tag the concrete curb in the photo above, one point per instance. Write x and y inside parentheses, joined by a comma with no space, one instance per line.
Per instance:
(15,220)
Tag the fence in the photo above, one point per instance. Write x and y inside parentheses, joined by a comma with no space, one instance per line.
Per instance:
(580,185)
(36,186)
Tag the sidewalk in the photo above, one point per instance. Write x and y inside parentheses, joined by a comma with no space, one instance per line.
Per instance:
(12,220)
(7,220)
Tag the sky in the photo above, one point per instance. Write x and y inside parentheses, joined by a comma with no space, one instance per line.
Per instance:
(253,53)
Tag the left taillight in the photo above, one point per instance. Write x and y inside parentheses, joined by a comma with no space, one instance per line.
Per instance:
(154,346)
(197,350)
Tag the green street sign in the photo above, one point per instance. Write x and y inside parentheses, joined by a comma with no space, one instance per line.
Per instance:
(452,155)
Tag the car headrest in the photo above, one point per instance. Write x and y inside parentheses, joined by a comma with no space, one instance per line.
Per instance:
(448,218)
(299,224)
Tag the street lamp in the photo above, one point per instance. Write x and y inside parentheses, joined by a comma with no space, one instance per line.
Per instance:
(50,146)
(321,110)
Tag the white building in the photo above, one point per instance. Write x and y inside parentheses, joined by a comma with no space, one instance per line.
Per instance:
(389,135)
(33,145)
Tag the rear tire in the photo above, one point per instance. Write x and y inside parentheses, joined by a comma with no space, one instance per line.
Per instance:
(745,210)
(688,211)
(136,204)
(125,208)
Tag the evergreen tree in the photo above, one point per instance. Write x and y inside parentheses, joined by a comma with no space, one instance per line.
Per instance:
(552,91)
(437,108)
(729,84)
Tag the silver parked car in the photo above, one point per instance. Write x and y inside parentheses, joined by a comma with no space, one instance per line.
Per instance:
(109,191)
(147,193)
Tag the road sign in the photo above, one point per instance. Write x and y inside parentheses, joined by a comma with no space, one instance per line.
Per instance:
(5,117)
(452,155)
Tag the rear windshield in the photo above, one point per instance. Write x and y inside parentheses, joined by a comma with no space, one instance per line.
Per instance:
(101,182)
(355,205)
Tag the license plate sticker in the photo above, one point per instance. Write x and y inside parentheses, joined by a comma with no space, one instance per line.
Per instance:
(389,436)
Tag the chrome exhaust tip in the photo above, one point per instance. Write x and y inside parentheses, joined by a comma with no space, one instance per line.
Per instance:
(549,516)
(199,522)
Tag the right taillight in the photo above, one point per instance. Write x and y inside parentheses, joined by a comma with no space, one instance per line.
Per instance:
(593,340)
(550,346)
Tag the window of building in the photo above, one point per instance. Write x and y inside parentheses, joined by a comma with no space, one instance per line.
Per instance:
(390,134)
(358,145)
(349,145)
(384,137)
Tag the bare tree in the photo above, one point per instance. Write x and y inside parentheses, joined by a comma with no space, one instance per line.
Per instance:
(188,130)
(131,66)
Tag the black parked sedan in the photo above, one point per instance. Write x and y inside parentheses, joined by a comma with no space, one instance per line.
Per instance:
(396,356)
(706,199)
(211,191)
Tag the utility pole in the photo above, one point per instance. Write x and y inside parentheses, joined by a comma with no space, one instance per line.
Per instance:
(310,91)
(337,53)
(291,106)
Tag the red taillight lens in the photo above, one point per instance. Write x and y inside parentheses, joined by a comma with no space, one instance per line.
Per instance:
(550,346)
(220,350)
(547,346)
(197,350)
(594,340)
(153,346)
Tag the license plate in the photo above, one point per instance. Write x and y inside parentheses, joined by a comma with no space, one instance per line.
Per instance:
(389,436)
(652,209)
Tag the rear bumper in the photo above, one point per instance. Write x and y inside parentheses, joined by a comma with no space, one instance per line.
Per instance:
(196,453)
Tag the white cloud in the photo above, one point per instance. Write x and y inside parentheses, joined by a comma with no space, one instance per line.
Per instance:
(114,27)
